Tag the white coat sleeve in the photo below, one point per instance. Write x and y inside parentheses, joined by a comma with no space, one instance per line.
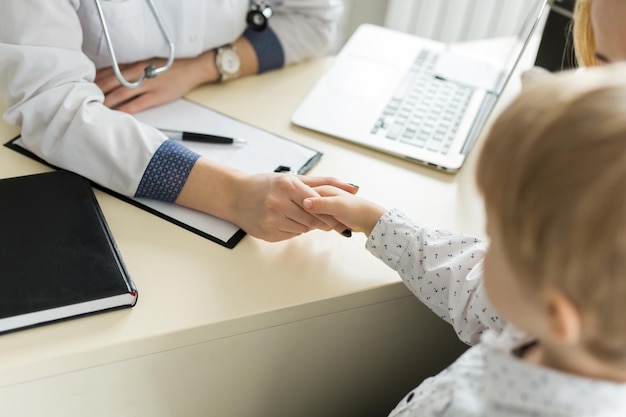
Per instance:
(47,84)
(443,269)
(298,30)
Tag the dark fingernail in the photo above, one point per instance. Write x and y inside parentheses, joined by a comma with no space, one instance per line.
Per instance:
(354,185)
(347,233)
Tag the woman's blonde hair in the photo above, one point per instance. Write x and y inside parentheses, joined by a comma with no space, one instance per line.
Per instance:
(553,175)
(583,36)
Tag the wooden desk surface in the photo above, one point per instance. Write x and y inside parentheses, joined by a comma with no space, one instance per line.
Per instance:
(193,291)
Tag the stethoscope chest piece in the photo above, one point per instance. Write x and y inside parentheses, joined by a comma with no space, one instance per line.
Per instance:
(258,15)
(150,71)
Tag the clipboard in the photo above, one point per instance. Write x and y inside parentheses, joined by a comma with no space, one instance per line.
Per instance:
(262,152)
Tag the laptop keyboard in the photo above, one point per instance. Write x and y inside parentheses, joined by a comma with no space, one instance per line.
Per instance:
(424,111)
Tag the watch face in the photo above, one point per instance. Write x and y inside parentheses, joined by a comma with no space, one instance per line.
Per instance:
(230,62)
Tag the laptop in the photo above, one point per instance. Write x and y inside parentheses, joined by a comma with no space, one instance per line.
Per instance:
(412,97)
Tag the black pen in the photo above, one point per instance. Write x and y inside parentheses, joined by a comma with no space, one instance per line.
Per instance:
(201,137)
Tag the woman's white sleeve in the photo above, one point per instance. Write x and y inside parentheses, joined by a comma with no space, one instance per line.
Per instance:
(306,28)
(298,30)
(47,85)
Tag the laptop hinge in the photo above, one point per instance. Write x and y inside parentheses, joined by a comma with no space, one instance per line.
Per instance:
(488,105)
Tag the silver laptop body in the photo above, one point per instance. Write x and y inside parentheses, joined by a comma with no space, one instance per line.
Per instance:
(413,97)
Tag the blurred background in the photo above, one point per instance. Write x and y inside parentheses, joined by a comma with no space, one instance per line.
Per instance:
(460,20)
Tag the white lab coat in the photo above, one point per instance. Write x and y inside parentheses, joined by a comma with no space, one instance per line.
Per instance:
(49,51)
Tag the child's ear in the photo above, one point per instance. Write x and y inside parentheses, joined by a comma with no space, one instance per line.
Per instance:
(564,318)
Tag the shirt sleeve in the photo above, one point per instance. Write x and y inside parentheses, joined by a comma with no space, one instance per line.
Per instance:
(47,84)
(443,269)
(298,30)
(167,172)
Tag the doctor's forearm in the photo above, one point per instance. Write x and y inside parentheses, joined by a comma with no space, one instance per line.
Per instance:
(211,188)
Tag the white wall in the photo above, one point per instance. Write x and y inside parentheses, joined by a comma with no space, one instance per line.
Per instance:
(442,20)
(357,12)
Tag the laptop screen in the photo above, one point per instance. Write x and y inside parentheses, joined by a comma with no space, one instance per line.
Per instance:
(536,9)
(488,62)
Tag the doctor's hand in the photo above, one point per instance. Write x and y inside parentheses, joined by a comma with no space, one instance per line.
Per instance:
(269,206)
(358,214)
(184,75)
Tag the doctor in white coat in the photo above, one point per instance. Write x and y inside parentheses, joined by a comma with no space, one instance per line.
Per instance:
(58,81)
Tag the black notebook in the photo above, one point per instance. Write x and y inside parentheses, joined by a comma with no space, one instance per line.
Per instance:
(58,258)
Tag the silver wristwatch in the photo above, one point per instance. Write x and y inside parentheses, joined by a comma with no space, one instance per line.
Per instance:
(227,62)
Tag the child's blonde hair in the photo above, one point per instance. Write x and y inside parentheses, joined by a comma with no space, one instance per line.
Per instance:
(553,174)
(582,33)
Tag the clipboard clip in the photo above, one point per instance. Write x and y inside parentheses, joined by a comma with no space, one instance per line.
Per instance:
(285,169)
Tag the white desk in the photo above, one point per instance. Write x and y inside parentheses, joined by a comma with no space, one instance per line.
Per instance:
(311,326)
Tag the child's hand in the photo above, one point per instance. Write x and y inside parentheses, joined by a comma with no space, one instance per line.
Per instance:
(358,214)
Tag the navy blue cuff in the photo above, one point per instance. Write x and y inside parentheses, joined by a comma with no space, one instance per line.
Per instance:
(268,48)
(167,172)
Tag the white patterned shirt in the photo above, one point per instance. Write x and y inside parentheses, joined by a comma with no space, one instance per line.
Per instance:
(444,270)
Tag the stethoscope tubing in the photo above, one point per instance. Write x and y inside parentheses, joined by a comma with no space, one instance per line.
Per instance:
(150,71)
(257,19)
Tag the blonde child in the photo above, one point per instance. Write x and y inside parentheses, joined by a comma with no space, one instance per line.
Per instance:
(544,304)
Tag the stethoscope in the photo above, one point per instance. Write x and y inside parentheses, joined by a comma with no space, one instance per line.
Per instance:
(259,14)
(257,18)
